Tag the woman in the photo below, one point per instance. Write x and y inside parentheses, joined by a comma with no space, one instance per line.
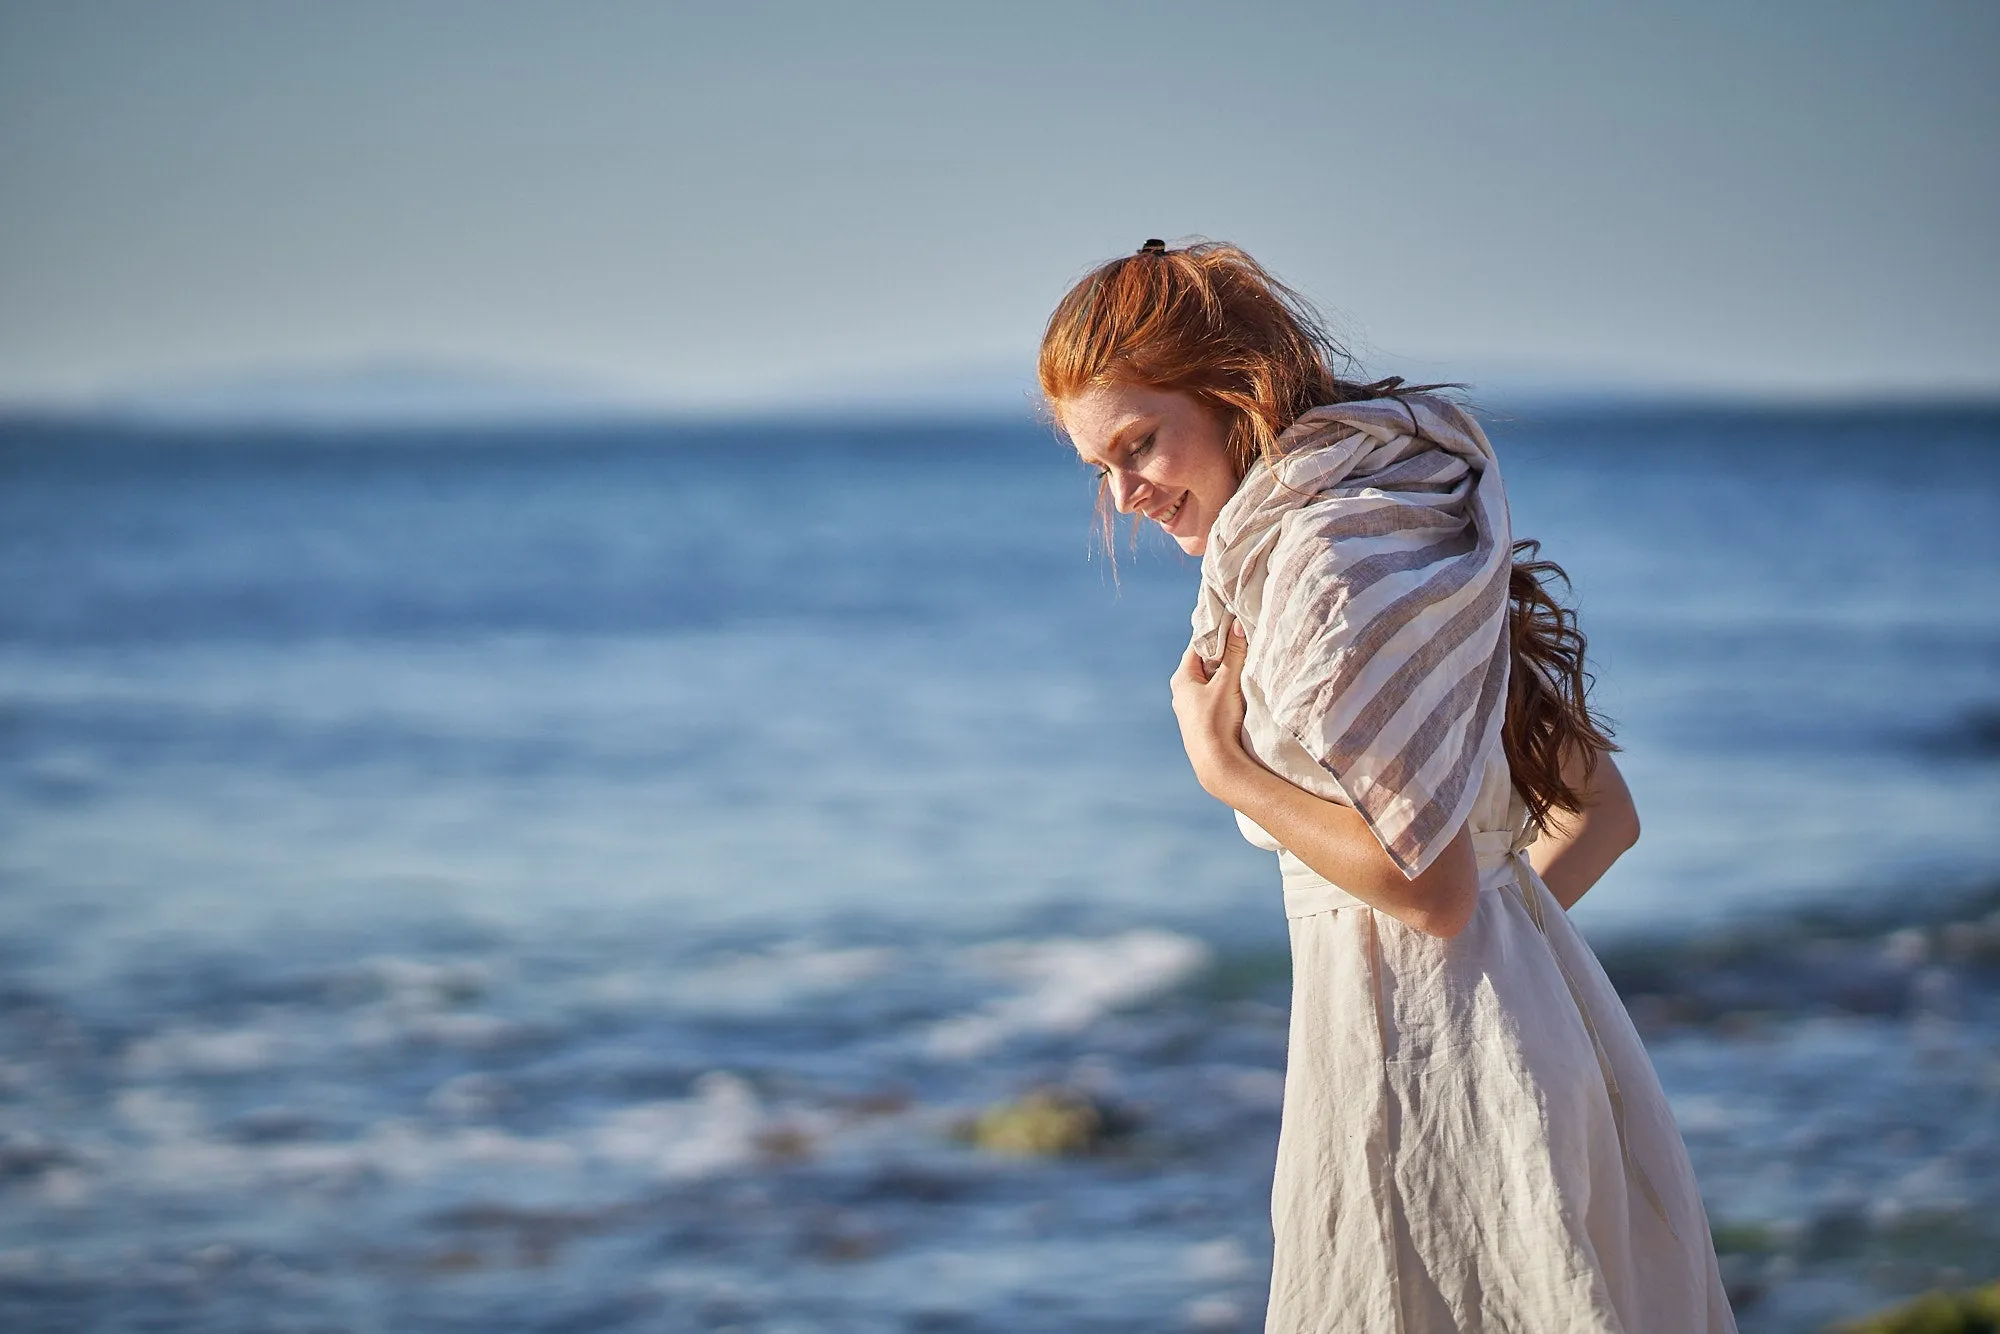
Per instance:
(1473,1137)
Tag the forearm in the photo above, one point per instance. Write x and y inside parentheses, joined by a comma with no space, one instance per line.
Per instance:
(1569,867)
(1579,848)
(1328,837)
(1336,844)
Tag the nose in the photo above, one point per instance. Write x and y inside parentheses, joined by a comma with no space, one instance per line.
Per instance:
(1124,489)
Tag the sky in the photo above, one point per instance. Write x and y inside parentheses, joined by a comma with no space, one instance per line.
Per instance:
(715,204)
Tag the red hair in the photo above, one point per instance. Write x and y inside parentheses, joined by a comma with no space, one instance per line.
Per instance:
(1208,321)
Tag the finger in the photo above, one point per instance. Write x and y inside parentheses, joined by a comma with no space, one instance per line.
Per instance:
(1235,644)
(1192,667)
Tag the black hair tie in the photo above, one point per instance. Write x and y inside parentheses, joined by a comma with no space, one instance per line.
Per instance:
(1154,246)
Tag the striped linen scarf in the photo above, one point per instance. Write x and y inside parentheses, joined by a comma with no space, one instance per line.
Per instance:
(1369,568)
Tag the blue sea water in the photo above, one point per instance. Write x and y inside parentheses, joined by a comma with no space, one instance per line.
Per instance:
(585,879)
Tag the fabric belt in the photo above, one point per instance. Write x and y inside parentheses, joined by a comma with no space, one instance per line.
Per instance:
(1307,892)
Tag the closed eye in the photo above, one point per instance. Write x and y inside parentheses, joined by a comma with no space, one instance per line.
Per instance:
(1103,472)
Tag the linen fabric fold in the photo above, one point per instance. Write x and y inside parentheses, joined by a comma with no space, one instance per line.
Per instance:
(1369,568)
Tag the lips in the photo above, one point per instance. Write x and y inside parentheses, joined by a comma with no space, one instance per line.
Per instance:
(1166,520)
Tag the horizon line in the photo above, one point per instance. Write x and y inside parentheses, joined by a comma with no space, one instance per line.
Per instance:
(1495,407)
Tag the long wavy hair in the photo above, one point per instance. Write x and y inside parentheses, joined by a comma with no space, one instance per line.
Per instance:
(1208,321)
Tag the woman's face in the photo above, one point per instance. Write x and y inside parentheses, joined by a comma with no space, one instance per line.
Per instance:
(1161,454)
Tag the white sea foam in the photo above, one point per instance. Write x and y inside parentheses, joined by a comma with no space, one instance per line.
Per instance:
(197,1050)
(64,1186)
(713,1131)
(1711,1113)
(1934,1184)
(467,1097)
(1213,1313)
(1067,985)
(716,1129)
(379,1003)
(413,983)
(394,1148)
(157,1114)
(747,983)
(1220,1261)
(389,1026)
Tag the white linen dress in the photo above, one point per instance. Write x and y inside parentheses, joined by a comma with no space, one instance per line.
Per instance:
(1473,1137)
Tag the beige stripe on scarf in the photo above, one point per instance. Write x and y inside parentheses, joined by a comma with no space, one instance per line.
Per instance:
(1369,567)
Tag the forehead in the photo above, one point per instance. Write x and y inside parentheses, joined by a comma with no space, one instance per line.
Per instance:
(1096,418)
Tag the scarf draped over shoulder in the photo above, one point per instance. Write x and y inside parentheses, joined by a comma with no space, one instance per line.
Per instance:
(1369,566)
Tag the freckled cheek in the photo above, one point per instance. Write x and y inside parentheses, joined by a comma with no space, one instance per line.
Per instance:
(1226,482)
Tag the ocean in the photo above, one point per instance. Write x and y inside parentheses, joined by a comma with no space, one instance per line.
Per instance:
(528,878)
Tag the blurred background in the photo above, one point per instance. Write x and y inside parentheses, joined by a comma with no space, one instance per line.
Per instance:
(565,761)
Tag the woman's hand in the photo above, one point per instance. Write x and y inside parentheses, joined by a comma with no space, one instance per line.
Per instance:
(1208,704)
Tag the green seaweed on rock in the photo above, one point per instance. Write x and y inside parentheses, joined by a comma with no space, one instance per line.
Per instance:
(1972,1311)
(1045,1123)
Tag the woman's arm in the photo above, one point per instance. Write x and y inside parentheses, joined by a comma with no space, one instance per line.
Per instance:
(1328,837)
(1578,848)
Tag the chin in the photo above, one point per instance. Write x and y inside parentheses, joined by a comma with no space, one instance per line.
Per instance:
(1194,546)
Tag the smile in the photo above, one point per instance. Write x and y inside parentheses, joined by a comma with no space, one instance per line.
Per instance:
(1166,520)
